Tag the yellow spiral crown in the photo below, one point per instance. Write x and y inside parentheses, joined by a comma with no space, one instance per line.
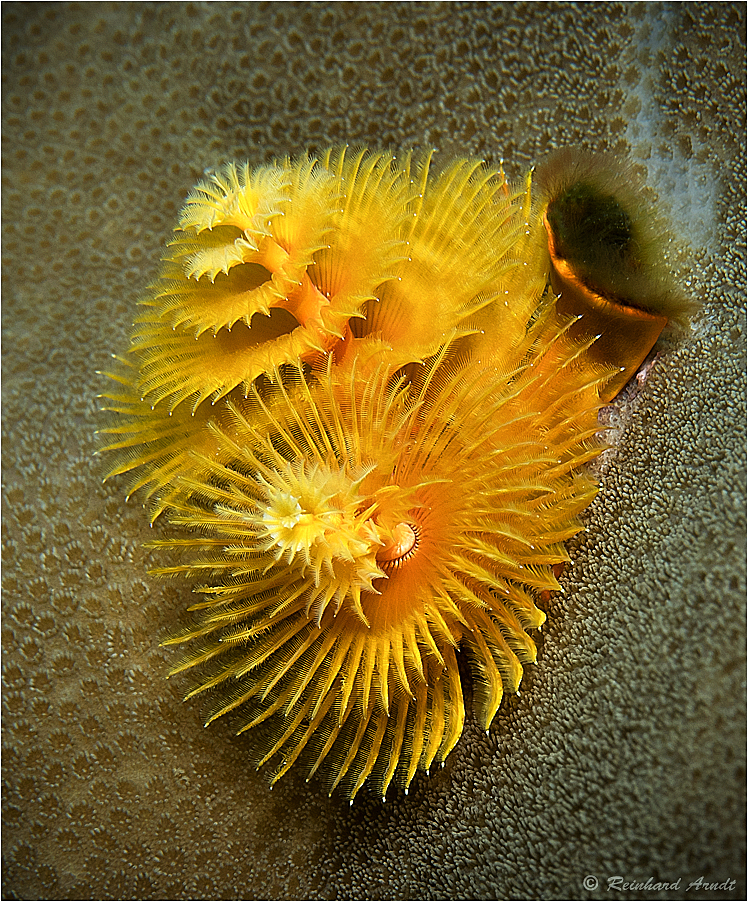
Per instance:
(354,397)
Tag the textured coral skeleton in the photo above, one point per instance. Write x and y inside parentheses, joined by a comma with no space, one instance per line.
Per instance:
(354,396)
(96,169)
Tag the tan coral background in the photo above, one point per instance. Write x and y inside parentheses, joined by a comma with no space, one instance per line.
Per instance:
(624,754)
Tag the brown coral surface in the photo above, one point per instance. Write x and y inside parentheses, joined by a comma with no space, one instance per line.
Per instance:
(624,754)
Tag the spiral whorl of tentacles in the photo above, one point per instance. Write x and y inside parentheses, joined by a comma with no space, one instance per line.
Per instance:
(352,394)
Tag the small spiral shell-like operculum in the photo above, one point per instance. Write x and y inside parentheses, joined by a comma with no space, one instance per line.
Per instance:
(399,547)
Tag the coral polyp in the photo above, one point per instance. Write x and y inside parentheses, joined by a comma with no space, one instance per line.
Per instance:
(358,400)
